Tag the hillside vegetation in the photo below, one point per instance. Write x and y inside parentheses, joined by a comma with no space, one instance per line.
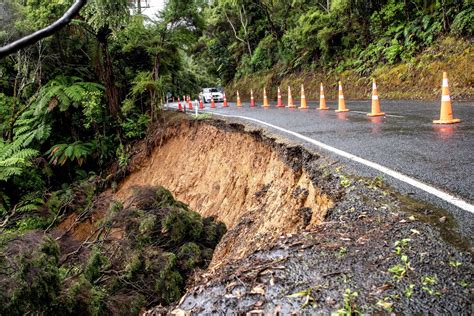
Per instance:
(73,105)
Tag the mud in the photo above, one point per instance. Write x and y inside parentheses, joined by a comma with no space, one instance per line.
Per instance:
(258,187)
(302,236)
(353,250)
(312,266)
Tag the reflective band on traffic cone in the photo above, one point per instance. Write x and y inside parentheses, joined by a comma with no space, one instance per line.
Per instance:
(225,102)
(213,104)
(303,99)
(446,115)
(201,104)
(375,102)
(290,99)
(252,101)
(180,107)
(190,104)
(239,104)
(265,99)
(342,102)
(280,103)
(322,99)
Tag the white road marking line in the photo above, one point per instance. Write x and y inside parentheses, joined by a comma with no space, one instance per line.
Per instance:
(394,174)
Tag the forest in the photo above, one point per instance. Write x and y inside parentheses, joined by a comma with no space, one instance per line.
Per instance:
(74,104)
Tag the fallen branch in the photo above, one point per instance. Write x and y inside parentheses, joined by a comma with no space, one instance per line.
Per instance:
(45,32)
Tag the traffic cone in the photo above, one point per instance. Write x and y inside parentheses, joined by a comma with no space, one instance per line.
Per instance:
(303,99)
(201,104)
(239,103)
(252,101)
(280,103)
(190,103)
(180,107)
(375,102)
(342,102)
(225,102)
(213,104)
(446,115)
(322,99)
(290,99)
(265,99)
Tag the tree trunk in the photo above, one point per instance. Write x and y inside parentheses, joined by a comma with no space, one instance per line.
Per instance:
(107,74)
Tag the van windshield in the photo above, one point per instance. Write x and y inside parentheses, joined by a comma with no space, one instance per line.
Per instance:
(213,90)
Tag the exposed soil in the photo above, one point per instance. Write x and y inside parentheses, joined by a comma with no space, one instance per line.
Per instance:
(300,233)
(259,189)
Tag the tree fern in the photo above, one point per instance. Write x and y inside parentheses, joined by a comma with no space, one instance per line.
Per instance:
(78,151)
(64,92)
(14,158)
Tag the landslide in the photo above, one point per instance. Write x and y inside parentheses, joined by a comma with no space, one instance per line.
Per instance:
(260,188)
(302,236)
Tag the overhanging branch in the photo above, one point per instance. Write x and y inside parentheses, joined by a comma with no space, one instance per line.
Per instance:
(45,32)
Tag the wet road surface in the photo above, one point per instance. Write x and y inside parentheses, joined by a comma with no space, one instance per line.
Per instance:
(405,140)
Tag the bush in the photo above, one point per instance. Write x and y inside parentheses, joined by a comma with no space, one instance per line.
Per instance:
(463,23)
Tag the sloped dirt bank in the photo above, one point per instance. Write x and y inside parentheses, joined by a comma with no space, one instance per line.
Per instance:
(259,188)
(360,246)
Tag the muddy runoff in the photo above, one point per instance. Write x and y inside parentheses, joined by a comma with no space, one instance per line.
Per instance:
(259,188)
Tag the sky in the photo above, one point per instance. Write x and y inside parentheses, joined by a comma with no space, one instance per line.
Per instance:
(155,6)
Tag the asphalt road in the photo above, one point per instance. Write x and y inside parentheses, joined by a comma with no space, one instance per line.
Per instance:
(405,141)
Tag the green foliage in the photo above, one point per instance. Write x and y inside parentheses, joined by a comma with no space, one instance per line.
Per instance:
(66,91)
(349,307)
(189,256)
(78,151)
(14,158)
(463,24)
(101,14)
(96,264)
(136,127)
(182,225)
(169,281)
(37,281)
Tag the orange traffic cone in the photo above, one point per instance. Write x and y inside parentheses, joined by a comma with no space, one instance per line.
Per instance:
(239,103)
(252,101)
(280,103)
(375,102)
(303,99)
(190,103)
(201,104)
(225,102)
(180,107)
(322,99)
(342,102)
(213,104)
(446,115)
(265,99)
(290,99)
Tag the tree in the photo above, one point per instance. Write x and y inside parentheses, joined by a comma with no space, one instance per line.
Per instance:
(103,17)
(45,32)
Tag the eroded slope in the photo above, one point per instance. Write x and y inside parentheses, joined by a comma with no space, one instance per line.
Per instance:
(258,188)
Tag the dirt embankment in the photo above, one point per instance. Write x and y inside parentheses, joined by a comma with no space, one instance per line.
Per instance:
(419,79)
(258,189)
(302,236)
